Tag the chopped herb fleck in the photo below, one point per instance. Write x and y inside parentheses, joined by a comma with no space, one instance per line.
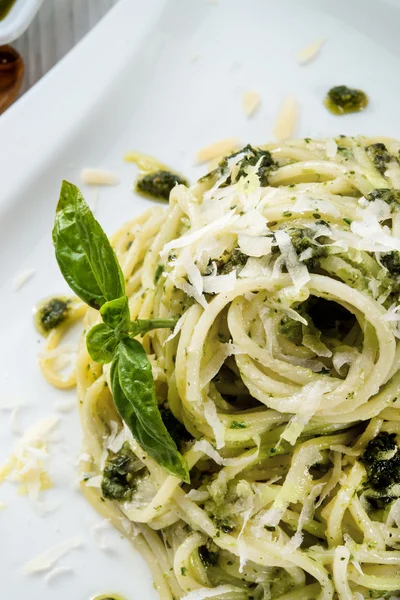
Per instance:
(238,425)
(158,273)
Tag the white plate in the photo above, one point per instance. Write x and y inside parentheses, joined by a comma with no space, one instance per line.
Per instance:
(165,77)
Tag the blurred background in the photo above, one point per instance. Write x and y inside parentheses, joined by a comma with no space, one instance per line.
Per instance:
(56,28)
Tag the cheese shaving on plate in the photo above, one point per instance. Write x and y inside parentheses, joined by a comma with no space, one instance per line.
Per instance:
(27,463)
(56,573)
(98,177)
(217,150)
(250,102)
(23,278)
(308,53)
(49,557)
(104,534)
(286,120)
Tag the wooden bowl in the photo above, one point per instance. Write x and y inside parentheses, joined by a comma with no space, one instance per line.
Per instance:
(11,76)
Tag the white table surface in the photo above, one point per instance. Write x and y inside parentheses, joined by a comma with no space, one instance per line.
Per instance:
(57,27)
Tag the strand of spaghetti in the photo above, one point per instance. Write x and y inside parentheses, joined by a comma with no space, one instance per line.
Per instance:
(340,503)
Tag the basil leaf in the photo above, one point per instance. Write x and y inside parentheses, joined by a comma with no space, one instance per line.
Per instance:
(84,254)
(101,343)
(116,314)
(142,326)
(135,399)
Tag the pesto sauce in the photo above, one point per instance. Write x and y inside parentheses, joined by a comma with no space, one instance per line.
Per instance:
(108,597)
(5,7)
(50,313)
(342,100)
(158,184)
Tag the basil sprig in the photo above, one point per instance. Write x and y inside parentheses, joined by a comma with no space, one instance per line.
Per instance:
(90,267)
(83,252)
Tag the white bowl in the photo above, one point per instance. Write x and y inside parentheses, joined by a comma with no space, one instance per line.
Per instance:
(18,19)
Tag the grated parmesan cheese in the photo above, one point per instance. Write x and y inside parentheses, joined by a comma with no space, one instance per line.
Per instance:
(94,482)
(250,102)
(57,572)
(22,278)
(294,487)
(286,120)
(177,329)
(101,533)
(217,226)
(65,405)
(331,148)
(198,495)
(256,246)
(45,560)
(207,448)
(217,150)
(26,464)
(215,284)
(98,177)
(308,53)
(297,270)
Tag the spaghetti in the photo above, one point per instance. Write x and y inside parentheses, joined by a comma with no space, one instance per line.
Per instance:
(279,382)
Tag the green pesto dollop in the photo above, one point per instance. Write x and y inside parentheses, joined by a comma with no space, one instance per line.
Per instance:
(380,156)
(391,261)
(390,196)
(159,184)
(382,462)
(108,597)
(121,474)
(251,157)
(341,100)
(50,313)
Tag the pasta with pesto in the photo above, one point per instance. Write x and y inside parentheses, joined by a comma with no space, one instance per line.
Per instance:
(279,382)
